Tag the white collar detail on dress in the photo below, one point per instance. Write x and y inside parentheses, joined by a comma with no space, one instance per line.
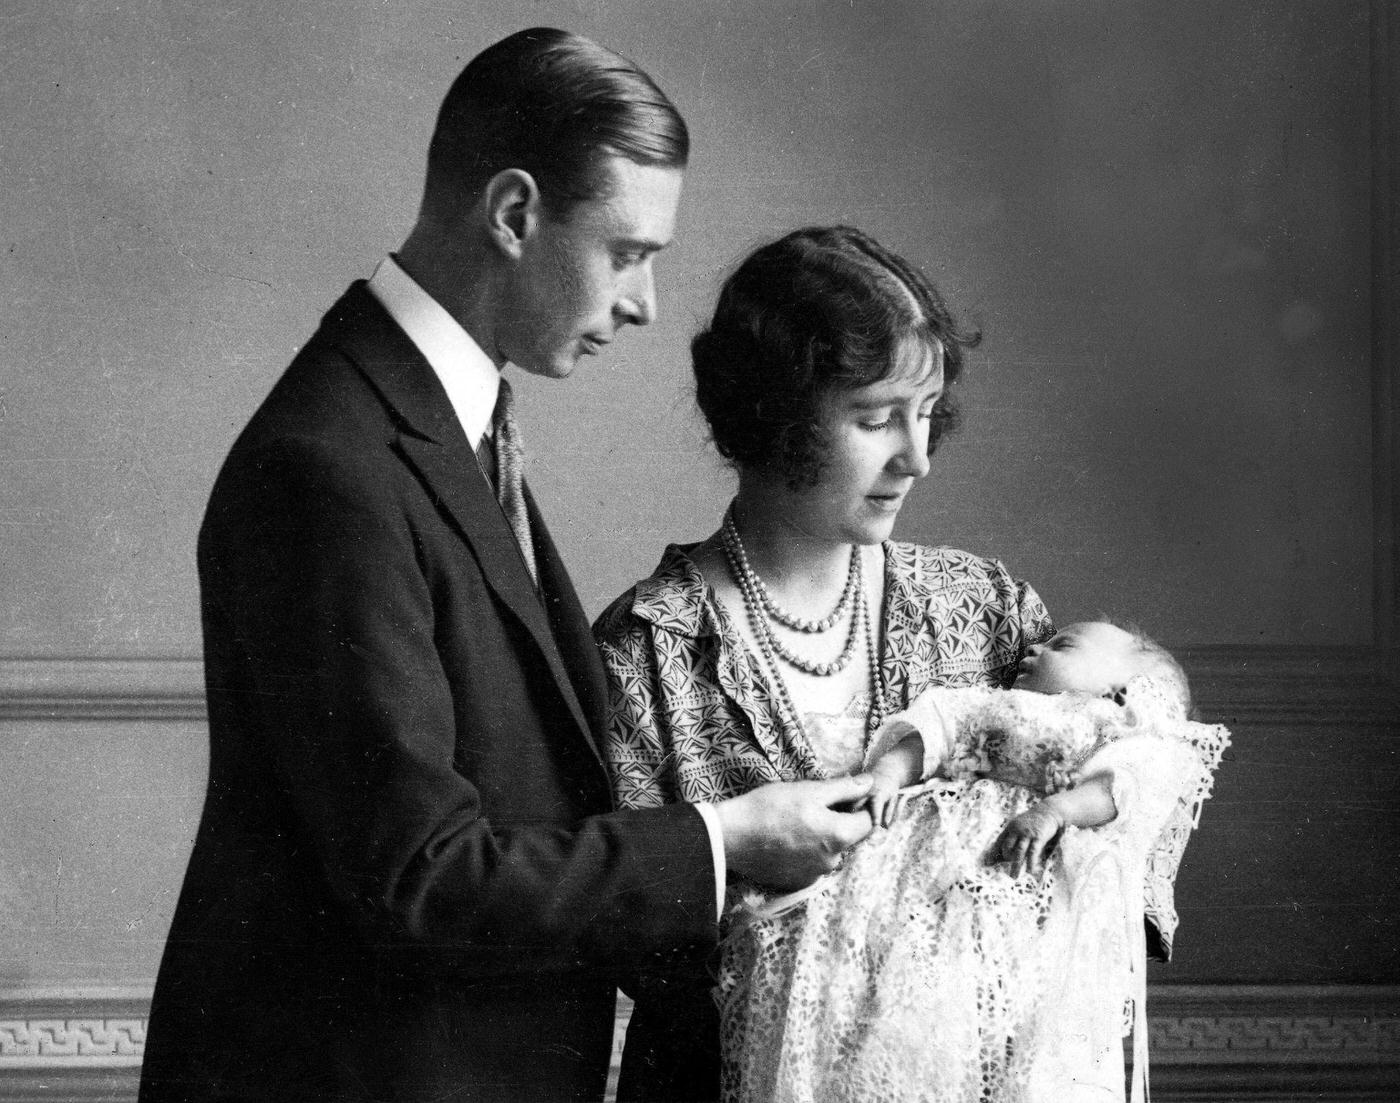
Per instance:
(467,374)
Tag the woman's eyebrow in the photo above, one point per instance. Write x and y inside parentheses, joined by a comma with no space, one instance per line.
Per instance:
(874,403)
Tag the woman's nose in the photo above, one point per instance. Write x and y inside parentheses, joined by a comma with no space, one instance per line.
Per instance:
(913,457)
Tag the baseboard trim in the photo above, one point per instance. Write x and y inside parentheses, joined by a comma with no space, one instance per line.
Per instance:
(1222,1043)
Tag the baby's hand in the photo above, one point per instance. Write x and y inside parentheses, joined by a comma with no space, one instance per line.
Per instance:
(1029,839)
(885,800)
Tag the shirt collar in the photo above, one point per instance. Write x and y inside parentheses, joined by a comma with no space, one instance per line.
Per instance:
(467,374)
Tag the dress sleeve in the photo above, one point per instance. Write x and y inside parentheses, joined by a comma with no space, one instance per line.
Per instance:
(1159,763)
(1011,735)
(1027,739)
(636,742)
(1162,769)
(932,723)
(1036,623)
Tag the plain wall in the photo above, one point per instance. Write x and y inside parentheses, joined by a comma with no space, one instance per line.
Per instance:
(1157,214)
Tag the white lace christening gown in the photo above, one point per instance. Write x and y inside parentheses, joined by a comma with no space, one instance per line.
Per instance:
(921,972)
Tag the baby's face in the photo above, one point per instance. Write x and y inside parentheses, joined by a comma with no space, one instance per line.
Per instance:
(1092,657)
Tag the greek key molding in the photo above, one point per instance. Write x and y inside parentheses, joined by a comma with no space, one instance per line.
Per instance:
(95,1027)
(1209,1042)
(1273,1024)
(99,1043)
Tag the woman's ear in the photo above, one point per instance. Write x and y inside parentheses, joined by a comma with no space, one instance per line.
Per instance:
(512,204)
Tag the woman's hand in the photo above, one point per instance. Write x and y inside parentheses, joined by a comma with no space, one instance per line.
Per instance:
(1029,839)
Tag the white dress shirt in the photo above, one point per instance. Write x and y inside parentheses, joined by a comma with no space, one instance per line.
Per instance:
(472,380)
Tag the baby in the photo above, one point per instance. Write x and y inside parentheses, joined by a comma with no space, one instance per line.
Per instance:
(1094,658)
(919,970)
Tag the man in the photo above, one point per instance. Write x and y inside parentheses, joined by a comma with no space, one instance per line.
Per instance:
(408,882)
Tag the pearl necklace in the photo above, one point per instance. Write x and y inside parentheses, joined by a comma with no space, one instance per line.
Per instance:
(751,587)
(772,608)
(771,648)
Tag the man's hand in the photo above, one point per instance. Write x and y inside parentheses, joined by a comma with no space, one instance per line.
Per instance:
(786,834)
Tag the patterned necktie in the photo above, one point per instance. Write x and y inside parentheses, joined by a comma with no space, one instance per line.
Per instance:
(510,474)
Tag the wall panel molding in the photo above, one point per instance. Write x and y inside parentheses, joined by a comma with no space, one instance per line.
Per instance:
(1232,683)
(101,689)
(1292,686)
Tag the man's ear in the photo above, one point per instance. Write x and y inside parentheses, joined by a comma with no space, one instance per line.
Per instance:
(512,204)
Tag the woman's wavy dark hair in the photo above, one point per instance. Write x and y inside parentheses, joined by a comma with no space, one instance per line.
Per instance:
(820,311)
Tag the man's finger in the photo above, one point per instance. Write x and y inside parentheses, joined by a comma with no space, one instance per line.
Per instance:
(843,790)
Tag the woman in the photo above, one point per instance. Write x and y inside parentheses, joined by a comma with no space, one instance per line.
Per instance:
(774,649)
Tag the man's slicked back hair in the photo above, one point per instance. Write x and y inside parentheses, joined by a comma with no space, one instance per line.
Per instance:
(555,105)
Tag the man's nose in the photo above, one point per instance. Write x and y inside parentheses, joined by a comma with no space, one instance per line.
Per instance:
(638,302)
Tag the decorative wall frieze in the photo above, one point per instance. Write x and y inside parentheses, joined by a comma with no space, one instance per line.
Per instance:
(1280,1024)
(57,1028)
(1208,1042)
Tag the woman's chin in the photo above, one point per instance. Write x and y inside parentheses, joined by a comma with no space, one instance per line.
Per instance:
(869,534)
(872,526)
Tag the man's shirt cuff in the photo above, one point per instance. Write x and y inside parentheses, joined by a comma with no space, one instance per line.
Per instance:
(716,833)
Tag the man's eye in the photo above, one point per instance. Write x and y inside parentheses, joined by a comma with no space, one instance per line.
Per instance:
(875,426)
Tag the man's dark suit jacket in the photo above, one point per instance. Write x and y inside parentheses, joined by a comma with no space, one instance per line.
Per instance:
(408,882)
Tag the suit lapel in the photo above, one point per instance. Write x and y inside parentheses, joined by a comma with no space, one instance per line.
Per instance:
(432,443)
(569,623)
(475,512)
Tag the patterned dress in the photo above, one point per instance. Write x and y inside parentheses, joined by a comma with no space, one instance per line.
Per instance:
(692,718)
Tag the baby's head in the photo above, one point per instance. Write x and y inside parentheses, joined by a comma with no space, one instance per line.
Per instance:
(1099,658)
